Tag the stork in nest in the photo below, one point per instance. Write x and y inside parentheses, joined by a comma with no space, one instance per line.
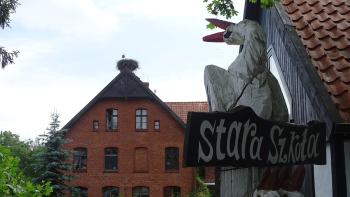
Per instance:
(247,81)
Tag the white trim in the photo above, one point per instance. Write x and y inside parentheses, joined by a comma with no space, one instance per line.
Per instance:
(275,69)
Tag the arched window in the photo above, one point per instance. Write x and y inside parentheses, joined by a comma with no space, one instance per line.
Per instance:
(141,119)
(79,192)
(111,159)
(80,159)
(171,158)
(172,191)
(140,191)
(110,191)
(111,119)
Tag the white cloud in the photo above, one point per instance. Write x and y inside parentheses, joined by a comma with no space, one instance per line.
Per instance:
(72,18)
(53,36)
(163,8)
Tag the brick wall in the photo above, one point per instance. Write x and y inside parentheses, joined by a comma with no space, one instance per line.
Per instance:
(126,139)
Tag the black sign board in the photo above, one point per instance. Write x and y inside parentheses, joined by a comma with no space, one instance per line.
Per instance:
(243,139)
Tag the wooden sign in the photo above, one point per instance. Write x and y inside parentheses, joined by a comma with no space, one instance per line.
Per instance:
(243,139)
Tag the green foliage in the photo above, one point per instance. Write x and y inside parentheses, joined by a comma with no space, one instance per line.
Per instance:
(7,7)
(265,3)
(51,162)
(211,26)
(24,150)
(201,190)
(12,181)
(226,8)
(221,7)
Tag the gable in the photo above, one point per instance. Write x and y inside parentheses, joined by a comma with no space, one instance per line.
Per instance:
(126,85)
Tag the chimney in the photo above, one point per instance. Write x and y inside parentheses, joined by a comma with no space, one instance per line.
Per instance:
(146,84)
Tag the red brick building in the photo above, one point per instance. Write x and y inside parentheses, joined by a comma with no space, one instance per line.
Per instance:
(127,142)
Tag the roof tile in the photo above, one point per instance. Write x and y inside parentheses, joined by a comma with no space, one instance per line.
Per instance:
(306,33)
(338,2)
(323,16)
(342,9)
(329,8)
(341,101)
(291,8)
(312,43)
(324,26)
(342,43)
(317,8)
(329,75)
(341,64)
(345,75)
(323,64)
(321,33)
(337,88)
(182,108)
(343,26)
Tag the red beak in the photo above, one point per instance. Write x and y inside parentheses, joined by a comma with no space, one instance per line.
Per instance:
(217,37)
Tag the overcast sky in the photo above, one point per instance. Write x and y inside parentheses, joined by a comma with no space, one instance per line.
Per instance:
(69,49)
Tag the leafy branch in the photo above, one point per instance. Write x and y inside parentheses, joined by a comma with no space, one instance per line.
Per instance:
(7,7)
(226,8)
(7,57)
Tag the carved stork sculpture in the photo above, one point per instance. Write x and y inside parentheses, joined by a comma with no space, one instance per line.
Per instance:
(247,81)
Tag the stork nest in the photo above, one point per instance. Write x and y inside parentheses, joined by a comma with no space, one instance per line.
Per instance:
(127,64)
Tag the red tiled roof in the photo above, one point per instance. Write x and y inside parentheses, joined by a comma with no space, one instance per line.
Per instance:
(181,108)
(324,29)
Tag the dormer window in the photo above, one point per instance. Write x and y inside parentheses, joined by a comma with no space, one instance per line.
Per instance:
(141,119)
(111,119)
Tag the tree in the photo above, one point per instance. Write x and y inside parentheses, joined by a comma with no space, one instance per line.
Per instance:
(24,150)
(226,8)
(7,7)
(52,161)
(12,181)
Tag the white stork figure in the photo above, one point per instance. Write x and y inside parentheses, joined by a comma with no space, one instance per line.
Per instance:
(248,82)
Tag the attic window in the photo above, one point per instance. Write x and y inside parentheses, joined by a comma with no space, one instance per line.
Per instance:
(141,119)
(156,124)
(111,119)
(95,125)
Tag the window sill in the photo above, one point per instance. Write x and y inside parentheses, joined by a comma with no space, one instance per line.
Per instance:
(141,130)
(80,170)
(111,130)
(110,171)
(172,171)
(140,171)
